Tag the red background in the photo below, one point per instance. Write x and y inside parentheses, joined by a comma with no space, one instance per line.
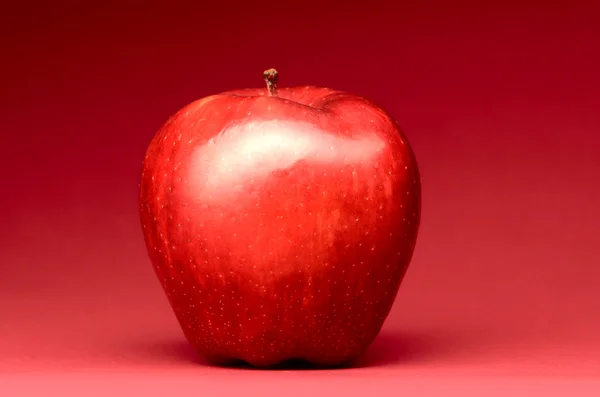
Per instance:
(499,100)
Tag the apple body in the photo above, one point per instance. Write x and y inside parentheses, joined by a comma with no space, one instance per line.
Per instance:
(280,227)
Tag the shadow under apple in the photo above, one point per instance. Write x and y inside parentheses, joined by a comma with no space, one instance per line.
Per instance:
(389,348)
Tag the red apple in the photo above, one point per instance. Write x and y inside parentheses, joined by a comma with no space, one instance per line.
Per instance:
(280,223)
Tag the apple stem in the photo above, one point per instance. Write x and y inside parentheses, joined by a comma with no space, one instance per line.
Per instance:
(271,77)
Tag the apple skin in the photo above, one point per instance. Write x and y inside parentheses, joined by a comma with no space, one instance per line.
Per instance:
(280,227)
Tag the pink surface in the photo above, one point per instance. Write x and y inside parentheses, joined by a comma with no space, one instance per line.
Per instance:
(499,102)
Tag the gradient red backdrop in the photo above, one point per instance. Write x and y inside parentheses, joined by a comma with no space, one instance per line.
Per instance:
(501,102)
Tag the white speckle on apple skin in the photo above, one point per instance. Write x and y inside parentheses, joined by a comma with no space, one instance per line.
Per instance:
(242,292)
